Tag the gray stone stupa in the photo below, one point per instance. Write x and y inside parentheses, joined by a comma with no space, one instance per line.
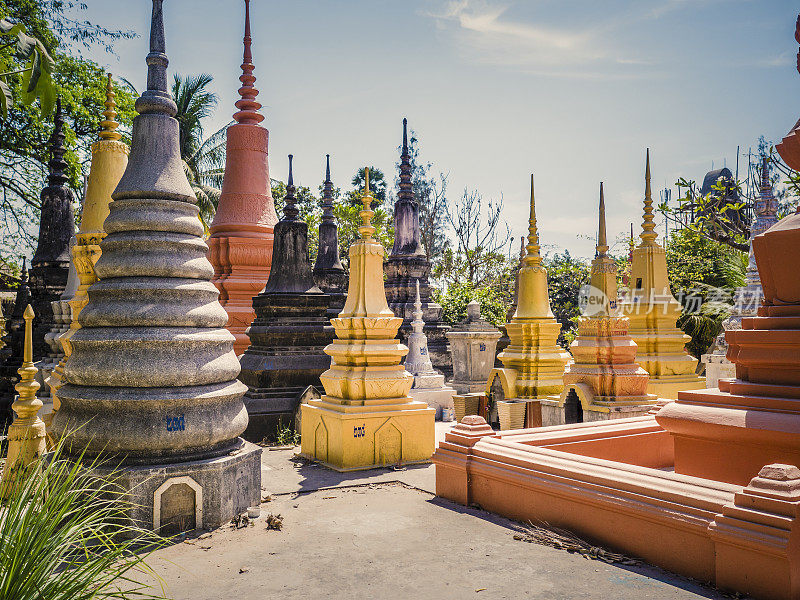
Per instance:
(152,379)
(408,263)
(50,263)
(12,351)
(329,274)
(291,329)
(429,386)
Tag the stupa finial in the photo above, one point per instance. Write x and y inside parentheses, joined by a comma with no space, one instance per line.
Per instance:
(57,164)
(406,187)
(521,248)
(533,257)
(157,99)
(766,184)
(602,242)
(109,122)
(366,230)
(327,192)
(248,105)
(290,211)
(417,324)
(648,234)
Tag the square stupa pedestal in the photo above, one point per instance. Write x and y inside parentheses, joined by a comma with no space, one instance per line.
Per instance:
(367,434)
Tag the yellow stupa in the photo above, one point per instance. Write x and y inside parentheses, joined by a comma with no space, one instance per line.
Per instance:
(109,159)
(366,418)
(654,312)
(533,362)
(604,381)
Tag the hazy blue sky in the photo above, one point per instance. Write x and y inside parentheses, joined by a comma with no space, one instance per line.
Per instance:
(571,90)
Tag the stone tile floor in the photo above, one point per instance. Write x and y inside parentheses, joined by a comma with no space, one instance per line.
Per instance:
(382,534)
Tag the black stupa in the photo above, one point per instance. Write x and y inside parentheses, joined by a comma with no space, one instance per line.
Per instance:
(12,353)
(408,264)
(50,263)
(329,274)
(290,331)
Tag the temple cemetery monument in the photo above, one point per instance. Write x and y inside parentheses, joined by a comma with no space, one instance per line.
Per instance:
(151,381)
(329,274)
(13,349)
(287,339)
(604,382)
(653,312)
(366,418)
(50,264)
(109,160)
(533,363)
(429,386)
(747,298)
(408,263)
(240,246)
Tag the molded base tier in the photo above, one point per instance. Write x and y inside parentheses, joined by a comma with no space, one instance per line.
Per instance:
(368,434)
(202,494)
(669,386)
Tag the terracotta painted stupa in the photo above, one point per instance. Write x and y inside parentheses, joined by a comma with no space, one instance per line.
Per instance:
(240,246)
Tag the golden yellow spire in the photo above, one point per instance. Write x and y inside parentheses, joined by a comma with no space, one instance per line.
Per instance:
(366,230)
(602,242)
(533,258)
(109,123)
(648,234)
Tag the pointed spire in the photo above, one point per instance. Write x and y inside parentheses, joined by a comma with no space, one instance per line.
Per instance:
(290,211)
(156,99)
(23,293)
(57,164)
(327,193)
(406,192)
(109,122)
(417,324)
(521,248)
(648,234)
(248,105)
(602,241)
(366,230)
(533,258)
(766,184)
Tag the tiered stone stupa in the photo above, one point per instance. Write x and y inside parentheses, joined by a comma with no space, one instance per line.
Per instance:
(240,246)
(366,418)
(747,298)
(408,263)
(289,334)
(50,263)
(151,382)
(604,382)
(472,344)
(533,363)
(654,312)
(109,160)
(429,386)
(329,273)
(13,349)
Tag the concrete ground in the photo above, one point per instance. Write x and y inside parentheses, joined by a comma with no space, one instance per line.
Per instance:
(382,534)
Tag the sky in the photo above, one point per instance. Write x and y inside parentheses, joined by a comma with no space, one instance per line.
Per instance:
(572,91)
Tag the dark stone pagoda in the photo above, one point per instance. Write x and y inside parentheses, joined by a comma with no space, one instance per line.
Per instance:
(50,263)
(290,331)
(329,274)
(11,353)
(407,264)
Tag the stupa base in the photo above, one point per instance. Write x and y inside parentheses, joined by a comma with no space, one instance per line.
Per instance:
(669,386)
(440,400)
(200,494)
(348,437)
(578,404)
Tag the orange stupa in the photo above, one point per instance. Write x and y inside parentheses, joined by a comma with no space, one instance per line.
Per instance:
(240,246)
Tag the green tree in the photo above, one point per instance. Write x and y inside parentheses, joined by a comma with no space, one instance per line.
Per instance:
(377,185)
(566,275)
(494,300)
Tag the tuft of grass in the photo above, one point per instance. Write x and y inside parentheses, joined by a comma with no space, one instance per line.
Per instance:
(65,535)
(287,436)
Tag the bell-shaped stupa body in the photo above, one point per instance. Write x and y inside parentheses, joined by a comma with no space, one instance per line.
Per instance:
(604,382)
(50,264)
(533,362)
(429,386)
(366,418)
(109,160)
(13,349)
(329,274)
(288,336)
(748,297)
(408,263)
(653,312)
(151,381)
(240,246)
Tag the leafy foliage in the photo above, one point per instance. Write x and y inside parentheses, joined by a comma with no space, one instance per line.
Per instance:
(566,276)
(494,301)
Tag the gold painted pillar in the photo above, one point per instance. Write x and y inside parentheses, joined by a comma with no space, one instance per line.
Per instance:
(533,362)
(654,312)
(366,418)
